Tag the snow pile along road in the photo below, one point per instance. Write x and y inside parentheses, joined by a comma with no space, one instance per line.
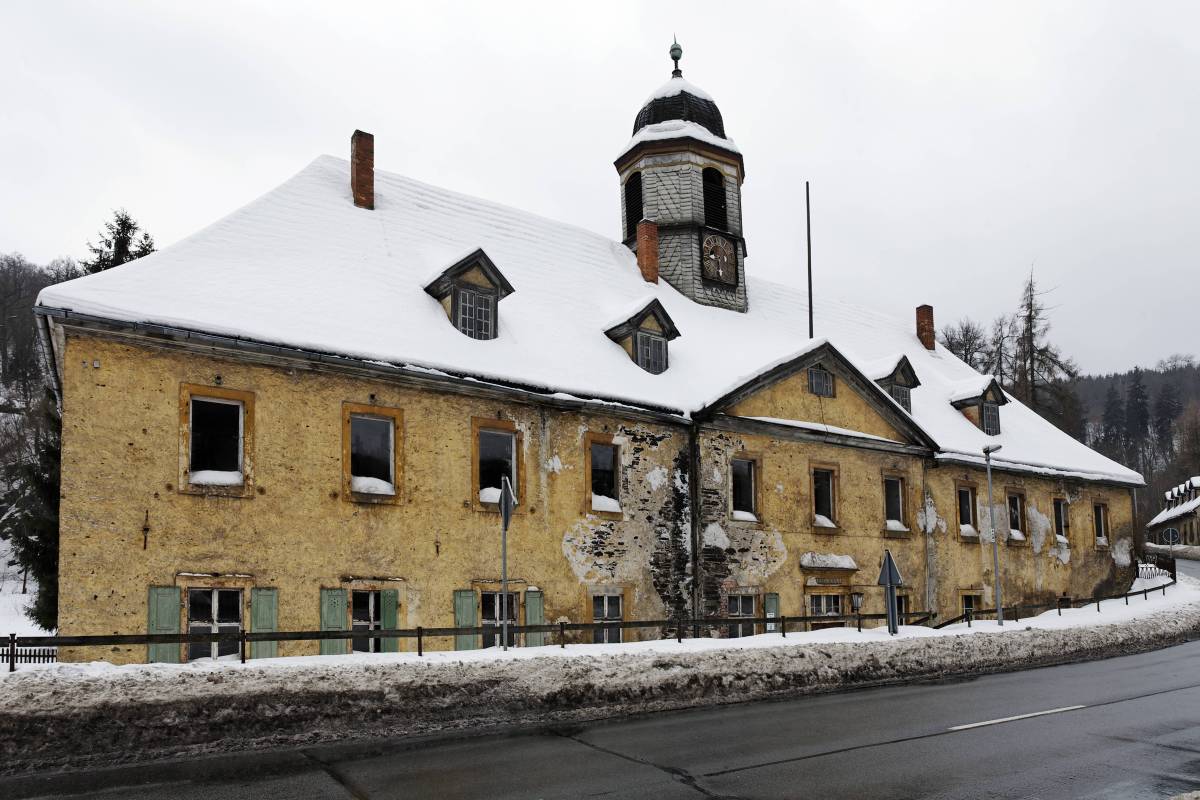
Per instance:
(92,713)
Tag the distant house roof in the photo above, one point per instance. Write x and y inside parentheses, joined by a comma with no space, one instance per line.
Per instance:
(301,266)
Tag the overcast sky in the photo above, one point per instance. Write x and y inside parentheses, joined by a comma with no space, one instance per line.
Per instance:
(951,147)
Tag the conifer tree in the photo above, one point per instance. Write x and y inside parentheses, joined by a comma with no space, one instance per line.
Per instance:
(1112,426)
(119,243)
(1137,418)
(1167,408)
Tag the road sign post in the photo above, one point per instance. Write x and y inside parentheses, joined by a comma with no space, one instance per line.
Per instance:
(507,501)
(889,578)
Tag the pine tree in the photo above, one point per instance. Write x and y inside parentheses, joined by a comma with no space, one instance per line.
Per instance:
(1043,375)
(1112,426)
(1137,418)
(1167,408)
(119,243)
(30,520)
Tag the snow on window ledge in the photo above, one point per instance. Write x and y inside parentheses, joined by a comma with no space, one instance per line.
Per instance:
(364,485)
(822,521)
(744,516)
(216,477)
(1061,539)
(896,525)
(1016,535)
(489,494)
(968,530)
(602,503)
(1101,541)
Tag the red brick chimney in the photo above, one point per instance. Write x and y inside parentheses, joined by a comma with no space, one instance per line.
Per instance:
(647,250)
(362,169)
(925,330)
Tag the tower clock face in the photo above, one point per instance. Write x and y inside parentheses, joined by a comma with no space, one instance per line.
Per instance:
(719,258)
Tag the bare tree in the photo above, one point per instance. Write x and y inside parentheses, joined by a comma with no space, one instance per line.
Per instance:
(968,340)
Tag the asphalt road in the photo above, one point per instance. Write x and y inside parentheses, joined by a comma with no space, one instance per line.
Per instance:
(1123,728)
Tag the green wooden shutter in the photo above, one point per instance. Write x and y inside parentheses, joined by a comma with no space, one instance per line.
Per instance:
(464,617)
(389,618)
(535,614)
(334,617)
(164,605)
(771,609)
(264,618)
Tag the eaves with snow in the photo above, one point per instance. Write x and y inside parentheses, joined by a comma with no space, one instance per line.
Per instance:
(303,267)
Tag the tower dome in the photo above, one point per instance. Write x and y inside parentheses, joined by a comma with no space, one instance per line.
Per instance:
(678,99)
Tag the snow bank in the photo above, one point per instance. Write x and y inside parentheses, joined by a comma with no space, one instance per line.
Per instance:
(97,713)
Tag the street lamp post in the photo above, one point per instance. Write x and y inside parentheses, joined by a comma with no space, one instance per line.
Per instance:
(987,456)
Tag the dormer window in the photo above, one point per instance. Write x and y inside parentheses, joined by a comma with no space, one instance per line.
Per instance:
(898,381)
(644,336)
(991,418)
(651,352)
(470,291)
(475,312)
(902,395)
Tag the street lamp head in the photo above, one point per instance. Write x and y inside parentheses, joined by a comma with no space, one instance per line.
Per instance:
(856,599)
(991,448)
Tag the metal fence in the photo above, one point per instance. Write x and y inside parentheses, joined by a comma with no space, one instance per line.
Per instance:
(678,629)
(1014,613)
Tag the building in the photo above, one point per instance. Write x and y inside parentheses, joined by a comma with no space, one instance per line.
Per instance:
(300,416)
(1179,514)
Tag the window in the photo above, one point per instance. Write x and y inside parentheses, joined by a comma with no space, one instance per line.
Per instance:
(966,511)
(991,418)
(603,467)
(633,204)
(902,395)
(902,609)
(490,605)
(820,381)
(823,516)
(825,605)
(476,316)
(740,605)
(651,352)
(497,459)
(1062,520)
(744,506)
(216,441)
(372,455)
(1100,521)
(365,616)
(971,603)
(606,608)
(893,504)
(715,214)
(1016,515)
(214,611)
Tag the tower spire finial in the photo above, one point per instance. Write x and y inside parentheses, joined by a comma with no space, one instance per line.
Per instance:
(676,54)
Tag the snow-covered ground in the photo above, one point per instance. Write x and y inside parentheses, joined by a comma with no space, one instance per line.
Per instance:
(52,714)
(13,602)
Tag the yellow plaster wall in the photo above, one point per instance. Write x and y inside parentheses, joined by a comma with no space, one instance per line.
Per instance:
(298,533)
(790,399)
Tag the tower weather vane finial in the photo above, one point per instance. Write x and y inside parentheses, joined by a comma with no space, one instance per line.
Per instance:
(676,54)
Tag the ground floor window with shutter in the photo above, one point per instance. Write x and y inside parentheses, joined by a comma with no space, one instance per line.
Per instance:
(607,608)
(740,605)
(825,605)
(492,613)
(214,611)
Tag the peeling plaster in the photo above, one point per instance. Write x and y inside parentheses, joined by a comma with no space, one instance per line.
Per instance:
(554,464)
(1121,552)
(656,477)
(714,536)
(927,516)
(1039,528)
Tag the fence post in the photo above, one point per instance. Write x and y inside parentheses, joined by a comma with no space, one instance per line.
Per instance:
(858,616)
(679,630)
(1127,599)
(1164,594)
(969,616)
(12,652)
(783,625)
(1016,613)
(562,634)
(420,641)
(242,642)
(696,623)
(1097,605)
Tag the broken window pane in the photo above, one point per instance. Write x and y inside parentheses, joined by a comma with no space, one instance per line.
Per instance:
(743,486)
(1100,518)
(902,395)
(820,381)
(497,458)
(604,470)
(1016,512)
(1061,519)
(371,451)
(893,492)
(823,493)
(966,506)
(216,432)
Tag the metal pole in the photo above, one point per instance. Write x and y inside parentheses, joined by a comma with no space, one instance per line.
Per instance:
(808,234)
(504,585)
(987,454)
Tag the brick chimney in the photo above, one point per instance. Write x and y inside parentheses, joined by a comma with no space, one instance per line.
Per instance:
(647,250)
(925,330)
(362,169)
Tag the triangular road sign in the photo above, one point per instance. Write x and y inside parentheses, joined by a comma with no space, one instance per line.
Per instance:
(889,575)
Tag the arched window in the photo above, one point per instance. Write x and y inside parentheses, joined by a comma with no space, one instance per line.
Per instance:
(715,215)
(633,204)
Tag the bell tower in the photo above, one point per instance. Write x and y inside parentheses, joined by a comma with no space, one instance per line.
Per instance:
(681,172)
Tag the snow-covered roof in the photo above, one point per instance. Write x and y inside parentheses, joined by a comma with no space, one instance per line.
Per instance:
(676,85)
(303,267)
(1175,512)
(677,129)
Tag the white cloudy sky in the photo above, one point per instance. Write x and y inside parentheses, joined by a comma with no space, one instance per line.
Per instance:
(951,146)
